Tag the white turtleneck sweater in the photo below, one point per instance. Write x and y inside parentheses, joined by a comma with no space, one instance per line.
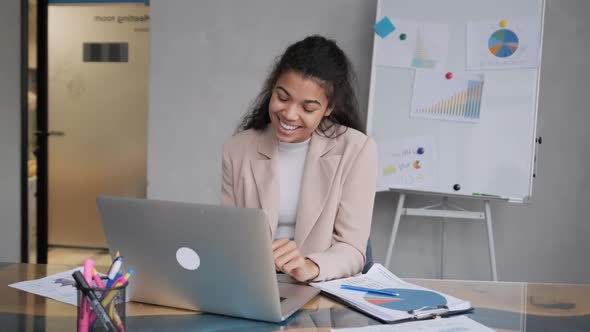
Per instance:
(291,165)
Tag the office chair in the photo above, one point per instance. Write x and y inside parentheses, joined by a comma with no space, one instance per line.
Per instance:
(369,257)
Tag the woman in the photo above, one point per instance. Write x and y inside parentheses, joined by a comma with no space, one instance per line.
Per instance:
(300,153)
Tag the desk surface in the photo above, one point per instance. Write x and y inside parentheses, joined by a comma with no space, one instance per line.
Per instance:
(504,306)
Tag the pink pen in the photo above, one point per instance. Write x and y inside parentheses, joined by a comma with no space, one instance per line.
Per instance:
(99,284)
(84,319)
(123,279)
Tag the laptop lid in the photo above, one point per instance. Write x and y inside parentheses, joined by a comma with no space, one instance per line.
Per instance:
(195,256)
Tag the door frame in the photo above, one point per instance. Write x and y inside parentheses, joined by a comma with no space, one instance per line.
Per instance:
(42,132)
(24,128)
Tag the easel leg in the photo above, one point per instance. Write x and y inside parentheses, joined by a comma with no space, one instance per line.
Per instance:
(491,240)
(398,214)
(443,235)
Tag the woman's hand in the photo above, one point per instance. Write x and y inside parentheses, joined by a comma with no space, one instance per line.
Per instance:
(288,259)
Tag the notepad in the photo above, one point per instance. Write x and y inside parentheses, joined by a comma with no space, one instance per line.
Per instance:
(413,303)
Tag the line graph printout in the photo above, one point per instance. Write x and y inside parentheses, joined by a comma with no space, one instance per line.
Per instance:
(438,97)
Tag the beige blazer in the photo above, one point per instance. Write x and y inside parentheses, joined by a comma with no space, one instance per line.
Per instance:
(336,198)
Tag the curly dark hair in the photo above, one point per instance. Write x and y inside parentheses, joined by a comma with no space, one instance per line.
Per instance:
(320,59)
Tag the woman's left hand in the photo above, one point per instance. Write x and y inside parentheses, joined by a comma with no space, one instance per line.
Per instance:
(288,259)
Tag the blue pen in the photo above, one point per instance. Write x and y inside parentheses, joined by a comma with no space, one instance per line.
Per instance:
(111,282)
(114,270)
(370,290)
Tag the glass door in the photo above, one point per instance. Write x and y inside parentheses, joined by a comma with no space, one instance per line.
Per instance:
(97,113)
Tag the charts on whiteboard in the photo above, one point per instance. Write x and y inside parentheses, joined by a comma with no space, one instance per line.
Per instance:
(409,162)
(515,45)
(454,95)
(415,45)
(437,97)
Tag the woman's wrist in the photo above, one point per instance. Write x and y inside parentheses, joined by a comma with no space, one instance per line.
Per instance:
(313,268)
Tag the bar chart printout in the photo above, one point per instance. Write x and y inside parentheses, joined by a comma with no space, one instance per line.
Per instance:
(441,96)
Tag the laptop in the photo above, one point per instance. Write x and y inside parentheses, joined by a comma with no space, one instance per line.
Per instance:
(201,257)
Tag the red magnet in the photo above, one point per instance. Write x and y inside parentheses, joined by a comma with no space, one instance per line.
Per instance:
(449,75)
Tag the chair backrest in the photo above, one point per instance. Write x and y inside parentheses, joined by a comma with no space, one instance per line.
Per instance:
(369,257)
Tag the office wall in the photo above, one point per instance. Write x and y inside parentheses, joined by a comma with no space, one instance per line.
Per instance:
(209,59)
(545,241)
(10,53)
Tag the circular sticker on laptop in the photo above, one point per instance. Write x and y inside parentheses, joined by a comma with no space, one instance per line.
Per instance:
(188,258)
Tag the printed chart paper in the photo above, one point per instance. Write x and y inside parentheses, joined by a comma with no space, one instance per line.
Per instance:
(409,162)
(408,300)
(414,45)
(439,98)
(491,46)
(60,287)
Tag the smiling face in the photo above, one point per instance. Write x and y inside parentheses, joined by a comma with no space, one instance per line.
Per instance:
(297,106)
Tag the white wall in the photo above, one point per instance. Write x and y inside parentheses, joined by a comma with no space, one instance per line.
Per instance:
(10,95)
(545,241)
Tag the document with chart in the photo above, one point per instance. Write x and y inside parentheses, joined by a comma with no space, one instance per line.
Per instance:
(384,296)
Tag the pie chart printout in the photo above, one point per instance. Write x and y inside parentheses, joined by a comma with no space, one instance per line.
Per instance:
(503,43)
(408,299)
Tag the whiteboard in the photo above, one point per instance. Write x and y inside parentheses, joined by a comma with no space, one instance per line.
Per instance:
(490,153)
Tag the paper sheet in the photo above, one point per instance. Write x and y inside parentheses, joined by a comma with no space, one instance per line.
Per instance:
(60,287)
(491,46)
(451,324)
(426,45)
(439,98)
(410,162)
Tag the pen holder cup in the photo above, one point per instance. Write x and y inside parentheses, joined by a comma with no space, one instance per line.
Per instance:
(112,300)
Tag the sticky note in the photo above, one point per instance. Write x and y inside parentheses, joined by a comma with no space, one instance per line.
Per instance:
(384,27)
(388,170)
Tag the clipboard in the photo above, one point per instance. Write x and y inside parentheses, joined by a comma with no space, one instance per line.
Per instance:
(385,297)
(417,314)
